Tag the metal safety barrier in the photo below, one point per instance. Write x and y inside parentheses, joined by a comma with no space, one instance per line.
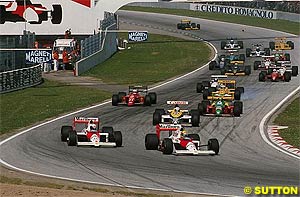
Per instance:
(20,78)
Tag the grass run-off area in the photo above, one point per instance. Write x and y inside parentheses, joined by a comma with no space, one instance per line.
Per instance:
(158,59)
(290,117)
(275,24)
(25,107)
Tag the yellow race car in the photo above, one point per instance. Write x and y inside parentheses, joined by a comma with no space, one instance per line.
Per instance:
(186,24)
(281,44)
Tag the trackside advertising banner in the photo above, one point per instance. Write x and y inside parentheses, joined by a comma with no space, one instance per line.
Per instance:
(137,36)
(38,56)
(233,10)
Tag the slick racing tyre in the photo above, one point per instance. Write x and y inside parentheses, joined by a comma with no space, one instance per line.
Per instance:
(262,76)
(241,44)
(195,117)
(256,64)
(153,97)
(72,140)
(56,14)
(115,100)
(118,138)
(248,52)
(237,108)
(223,44)
(287,76)
(213,144)
(64,132)
(247,70)
(294,70)
(241,89)
(151,141)
(199,87)
(147,101)
(291,44)
(212,65)
(237,95)
(272,45)
(167,146)
(205,94)
(267,51)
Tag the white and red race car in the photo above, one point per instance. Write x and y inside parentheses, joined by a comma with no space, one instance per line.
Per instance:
(86,132)
(178,142)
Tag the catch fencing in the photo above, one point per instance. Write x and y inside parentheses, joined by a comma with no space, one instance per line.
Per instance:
(98,48)
(20,78)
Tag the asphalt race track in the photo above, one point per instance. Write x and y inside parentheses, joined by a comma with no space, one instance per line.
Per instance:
(244,158)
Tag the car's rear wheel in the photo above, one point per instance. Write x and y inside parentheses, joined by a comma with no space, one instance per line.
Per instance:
(156,118)
(72,140)
(118,138)
(237,95)
(291,44)
(205,94)
(2,14)
(153,97)
(241,89)
(261,76)
(248,52)
(199,87)
(247,70)
(151,141)
(223,44)
(195,117)
(64,132)
(287,76)
(256,64)
(212,65)
(267,51)
(167,146)
(294,70)
(56,14)
(213,144)
(237,108)
(147,100)
(287,57)
(115,100)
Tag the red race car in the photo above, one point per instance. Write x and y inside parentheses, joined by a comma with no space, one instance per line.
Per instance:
(86,132)
(173,139)
(16,11)
(138,95)
(278,74)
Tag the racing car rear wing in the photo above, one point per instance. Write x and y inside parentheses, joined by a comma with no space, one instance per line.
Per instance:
(166,127)
(218,76)
(138,88)
(177,102)
(86,120)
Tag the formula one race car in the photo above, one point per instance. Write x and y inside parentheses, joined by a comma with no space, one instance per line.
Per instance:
(138,95)
(86,132)
(280,73)
(236,68)
(220,107)
(257,51)
(177,115)
(186,24)
(15,10)
(281,44)
(178,142)
(220,85)
(271,61)
(232,45)
(223,60)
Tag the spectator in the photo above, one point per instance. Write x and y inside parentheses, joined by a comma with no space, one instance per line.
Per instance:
(55,60)
(65,59)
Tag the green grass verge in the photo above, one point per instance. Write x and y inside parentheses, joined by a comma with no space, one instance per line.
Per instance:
(290,117)
(25,107)
(275,24)
(158,59)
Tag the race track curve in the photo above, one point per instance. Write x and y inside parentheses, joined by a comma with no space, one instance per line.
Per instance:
(244,158)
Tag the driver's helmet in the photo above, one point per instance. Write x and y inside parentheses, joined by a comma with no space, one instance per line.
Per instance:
(222,59)
(92,126)
(176,109)
(183,132)
(274,70)
(276,56)
(231,42)
(134,91)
